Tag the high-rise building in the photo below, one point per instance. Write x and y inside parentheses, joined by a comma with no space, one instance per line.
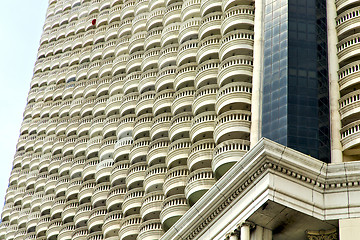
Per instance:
(151,119)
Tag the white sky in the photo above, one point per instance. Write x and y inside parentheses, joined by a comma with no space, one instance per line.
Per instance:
(21,25)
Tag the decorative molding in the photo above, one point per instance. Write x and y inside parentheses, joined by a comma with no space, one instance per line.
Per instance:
(266,157)
(323,235)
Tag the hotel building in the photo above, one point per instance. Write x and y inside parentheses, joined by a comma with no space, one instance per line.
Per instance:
(191,119)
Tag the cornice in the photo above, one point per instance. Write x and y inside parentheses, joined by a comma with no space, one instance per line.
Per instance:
(268,157)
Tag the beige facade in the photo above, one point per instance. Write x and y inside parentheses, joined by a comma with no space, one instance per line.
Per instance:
(143,121)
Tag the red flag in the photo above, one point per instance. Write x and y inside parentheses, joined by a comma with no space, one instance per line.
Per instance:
(93,22)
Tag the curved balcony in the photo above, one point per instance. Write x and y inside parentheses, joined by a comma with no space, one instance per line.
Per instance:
(139,150)
(27,197)
(237,17)
(6,210)
(21,184)
(107,147)
(150,229)
(57,207)
(61,185)
(69,145)
(142,126)
(3,228)
(132,201)
(34,163)
(236,67)
(80,233)
(96,126)
(349,75)
(46,203)
(178,153)
(226,154)
(84,126)
(114,13)
(86,191)
(23,215)
(133,65)
(172,210)
(11,231)
(127,9)
(205,98)
(189,29)
(70,209)
(187,52)
(154,178)
(36,201)
(119,172)
(65,165)
(115,197)
(80,145)
(14,215)
(90,168)
(129,228)
(40,182)
(238,42)
(112,223)
(161,123)
(73,188)
(136,43)
(168,55)
(206,73)
(128,104)
(93,70)
(150,59)
(110,126)
(82,215)
(66,231)
(99,105)
(185,76)
(165,78)
(93,147)
(119,64)
(42,225)
(201,154)
(180,126)
(203,126)
(347,21)
(151,205)
(136,175)
(175,180)
(54,163)
(131,83)
(153,38)
(75,107)
(190,9)
(96,219)
(103,86)
(53,229)
(106,66)
(233,96)
(170,34)
(198,182)
(139,22)
(51,183)
(103,170)
(232,125)
(155,18)
(100,194)
(122,148)
(20,234)
(210,24)
(349,104)
(125,29)
(113,106)
(183,100)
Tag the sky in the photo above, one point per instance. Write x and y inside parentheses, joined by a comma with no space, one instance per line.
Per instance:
(20,31)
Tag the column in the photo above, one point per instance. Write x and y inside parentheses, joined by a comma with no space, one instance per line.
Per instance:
(245,231)
(334,92)
(256,99)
